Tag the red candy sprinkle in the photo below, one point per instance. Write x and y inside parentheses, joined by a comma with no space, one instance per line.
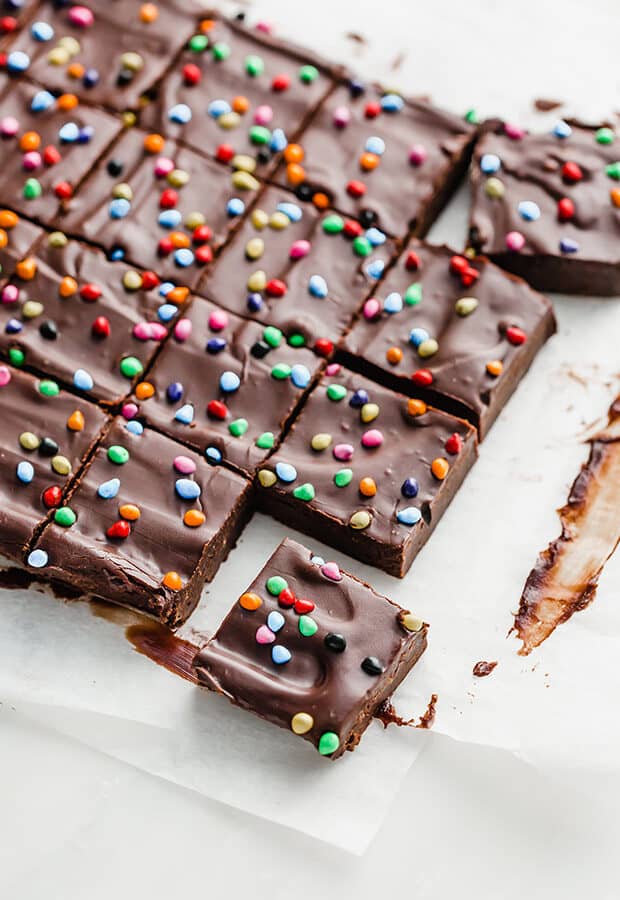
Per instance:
(352,228)
(515,335)
(356,188)
(286,598)
(469,275)
(120,529)
(280,82)
(169,199)
(202,234)
(422,377)
(149,280)
(412,262)
(454,444)
(51,155)
(8,24)
(458,264)
(217,410)
(164,246)
(52,496)
(566,209)
(63,190)
(191,74)
(204,254)
(372,110)
(276,287)
(224,153)
(323,347)
(101,327)
(571,172)
(90,292)
(303,606)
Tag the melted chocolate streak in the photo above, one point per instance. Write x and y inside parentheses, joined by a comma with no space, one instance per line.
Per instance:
(163,647)
(387,715)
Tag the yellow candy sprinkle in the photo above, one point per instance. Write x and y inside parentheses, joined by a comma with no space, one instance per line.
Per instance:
(411,622)
(302,723)
(321,441)
(360,520)
(267,478)
(61,465)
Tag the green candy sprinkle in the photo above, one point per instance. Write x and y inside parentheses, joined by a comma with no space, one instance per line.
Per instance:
(328,743)
(65,517)
(413,294)
(239,427)
(336,392)
(472,117)
(131,366)
(32,189)
(272,336)
(307,626)
(259,135)
(362,246)
(266,440)
(254,65)
(276,584)
(118,455)
(48,388)
(343,477)
(281,371)
(220,51)
(333,224)
(308,74)
(605,136)
(198,43)
(613,170)
(296,340)
(304,492)
(16,356)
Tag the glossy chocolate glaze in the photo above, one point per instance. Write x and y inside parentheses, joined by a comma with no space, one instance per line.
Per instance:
(401,194)
(531,170)
(131,570)
(410,444)
(76,158)
(330,686)
(461,383)
(137,235)
(265,402)
(348,276)
(23,408)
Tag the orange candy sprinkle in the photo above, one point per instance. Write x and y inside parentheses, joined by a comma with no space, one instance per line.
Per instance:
(178,294)
(495,367)
(394,355)
(369,161)
(295,173)
(294,153)
(75,422)
(68,286)
(30,140)
(154,143)
(129,511)
(368,488)
(440,468)
(26,269)
(193,518)
(67,101)
(207,25)
(75,70)
(4,238)
(148,13)
(179,239)
(240,104)
(144,390)
(8,219)
(615,196)
(416,407)
(172,580)
(250,601)
(320,200)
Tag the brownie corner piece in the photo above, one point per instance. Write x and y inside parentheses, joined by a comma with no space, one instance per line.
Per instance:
(545,206)
(367,470)
(311,648)
(147,524)
(458,332)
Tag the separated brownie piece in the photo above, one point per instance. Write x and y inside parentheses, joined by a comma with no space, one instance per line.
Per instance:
(459,333)
(158,205)
(17,237)
(547,206)
(236,93)
(304,271)
(387,161)
(93,324)
(225,386)
(310,648)
(367,470)
(48,144)
(107,51)
(146,525)
(45,435)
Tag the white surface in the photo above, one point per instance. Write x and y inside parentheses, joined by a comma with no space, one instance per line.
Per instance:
(467,818)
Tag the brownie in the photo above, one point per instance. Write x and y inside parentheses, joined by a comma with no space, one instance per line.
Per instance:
(237,92)
(46,434)
(312,649)
(460,333)
(108,52)
(158,205)
(225,386)
(304,271)
(152,522)
(386,160)
(93,324)
(366,470)
(17,237)
(547,206)
(47,145)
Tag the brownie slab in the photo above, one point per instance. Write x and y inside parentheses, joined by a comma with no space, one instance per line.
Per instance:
(366,470)
(153,521)
(93,324)
(383,159)
(547,206)
(225,386)
(312,649)
(304,271)
(459,333)
(46,433)
(158,205)
(47,145)
(236,92)
(108,52)
(17,237)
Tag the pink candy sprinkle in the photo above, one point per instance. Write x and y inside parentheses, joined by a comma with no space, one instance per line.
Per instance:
(331,571)
(158,331)
(129,411)
(184,465)
(142,331)
(9,126)
(515,241)
(264,27)
(183,329)
(300,249)
(5,376)
(372,438)
(31,160)
(342,117)
(163,166)
(10,294)
(263,115)
(372,308)
(265,635)
(81,16)
(343,452)
(333,369)
(218,320)
(514,132)
(417,155)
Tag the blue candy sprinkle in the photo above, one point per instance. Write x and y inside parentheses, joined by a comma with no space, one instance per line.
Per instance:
(119,208)
(280,654)
(393,303)
(286,472)
(25,471)
(13,326)
(409,488)
(392,103)
(529,210)
(275,620)
(568,246)
(216,345)
(254,302)
(300,376)
(279,141)
(109,489)
(185,415)
(235,207)
(91,78)
(490,163)
(165,287)
(167,311)
(174,391)
(170,218)
(37,559)
(359,398)
(134,427)
(42,31)
(375,145)
(317,560)
(418,336)
(181,114)
(218,108)
(409,516)
(229,382)
(86,134)
(69,133)
(183,257)
(83,380)
(562,129)
(376,237)
(213,455)
(41,101)
(187,489)
(291,211)
(116,254)
(317,286)
(375,268)
(17,61)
